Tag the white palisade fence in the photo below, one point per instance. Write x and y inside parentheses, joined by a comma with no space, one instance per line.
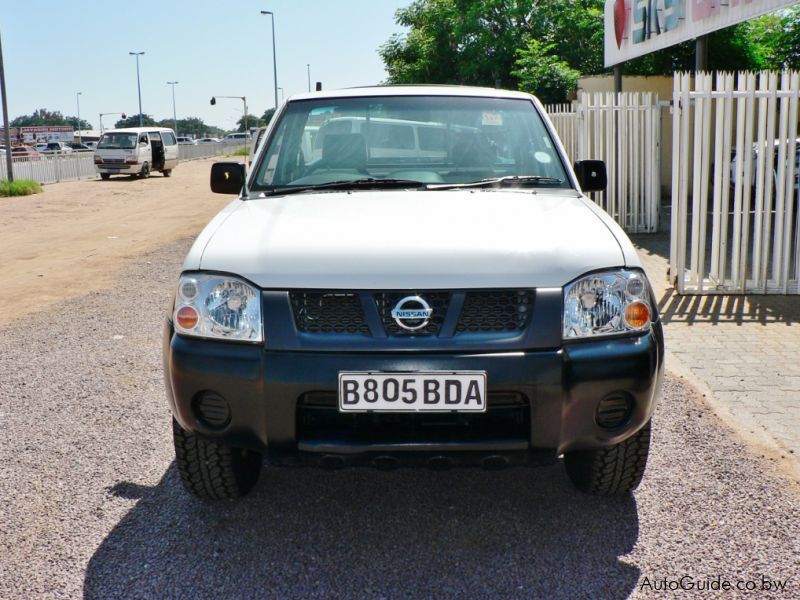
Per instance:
(624,131)
(565,120)
(736,156)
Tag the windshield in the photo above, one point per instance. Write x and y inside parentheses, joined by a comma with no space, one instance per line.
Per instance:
(427,139)
(117,140)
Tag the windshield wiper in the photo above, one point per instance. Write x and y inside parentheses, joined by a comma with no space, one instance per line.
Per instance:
(507,181)
(347,184)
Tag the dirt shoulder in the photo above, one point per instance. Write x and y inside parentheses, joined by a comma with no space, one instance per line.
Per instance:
(76,236)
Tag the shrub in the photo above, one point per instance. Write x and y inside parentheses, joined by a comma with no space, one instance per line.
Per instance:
(19,187)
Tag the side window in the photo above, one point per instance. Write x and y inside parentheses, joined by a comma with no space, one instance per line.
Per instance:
(143,139)
(169,138)
(399,137)
(155,137)
(432,138)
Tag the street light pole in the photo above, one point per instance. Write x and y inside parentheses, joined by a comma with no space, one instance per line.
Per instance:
(274,56)
(174,114)
(138,85)
(308,68)
(78,98)
(281,90)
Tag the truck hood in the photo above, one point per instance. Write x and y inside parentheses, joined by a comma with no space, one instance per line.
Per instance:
(409,240)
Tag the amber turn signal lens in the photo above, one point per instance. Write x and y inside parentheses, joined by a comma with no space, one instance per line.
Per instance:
(637,315)
(187,317)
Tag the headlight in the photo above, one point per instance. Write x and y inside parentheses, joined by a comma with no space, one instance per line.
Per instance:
(215,306)
(606,303)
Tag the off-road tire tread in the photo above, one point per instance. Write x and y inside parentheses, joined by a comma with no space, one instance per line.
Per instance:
(613,471)
(212,471)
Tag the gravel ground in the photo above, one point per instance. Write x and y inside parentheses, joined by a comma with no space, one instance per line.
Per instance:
(90,502)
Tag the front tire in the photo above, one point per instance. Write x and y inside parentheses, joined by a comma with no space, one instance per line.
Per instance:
(613,471)
(145,172)
(105,176)
(212,471)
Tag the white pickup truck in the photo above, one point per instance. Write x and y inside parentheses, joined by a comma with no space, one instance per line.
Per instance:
(411,276)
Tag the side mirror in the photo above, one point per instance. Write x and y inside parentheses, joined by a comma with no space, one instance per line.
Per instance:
(227,177)
(591,175)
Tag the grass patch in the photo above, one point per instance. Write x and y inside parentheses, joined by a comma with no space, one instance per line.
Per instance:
(19,187)
(241,152)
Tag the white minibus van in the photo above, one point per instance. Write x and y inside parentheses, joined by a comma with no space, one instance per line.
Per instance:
(136,151)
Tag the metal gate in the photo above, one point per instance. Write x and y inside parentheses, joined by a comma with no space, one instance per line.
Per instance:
(736,156)
(624,130)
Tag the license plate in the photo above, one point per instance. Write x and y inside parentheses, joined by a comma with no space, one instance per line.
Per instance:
(461,391)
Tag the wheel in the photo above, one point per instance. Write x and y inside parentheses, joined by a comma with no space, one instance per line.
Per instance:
(167,172)
(212,471)
(145,172)
(105,176)
(610,471)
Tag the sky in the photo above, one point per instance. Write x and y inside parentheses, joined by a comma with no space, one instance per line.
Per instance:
(53,49)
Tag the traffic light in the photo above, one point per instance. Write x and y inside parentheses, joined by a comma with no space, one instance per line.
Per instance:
(213,101)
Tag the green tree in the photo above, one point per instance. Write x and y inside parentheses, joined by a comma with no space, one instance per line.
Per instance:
(43,117)
(193,127)
(542,73)
(255,121)
(133,121)
(542,46)
(778,35)
(252,121)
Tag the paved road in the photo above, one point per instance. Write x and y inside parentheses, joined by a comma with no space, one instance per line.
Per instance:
(90,502)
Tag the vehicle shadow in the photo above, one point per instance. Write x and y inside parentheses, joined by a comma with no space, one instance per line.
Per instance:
(716,309)
(123,178)
(734,309)
(367,533)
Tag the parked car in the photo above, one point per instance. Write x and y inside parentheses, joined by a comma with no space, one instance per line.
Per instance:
(41,147)
(25,153)
(79,147)
(186,141)
(469,309)
(57,148)
(208,140)
(236,137)
(754,167)
(136,151)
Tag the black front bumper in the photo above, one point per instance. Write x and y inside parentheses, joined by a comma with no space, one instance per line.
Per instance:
(558,389)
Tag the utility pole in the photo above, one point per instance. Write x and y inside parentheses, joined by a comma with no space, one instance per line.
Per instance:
(7,131)
(308,67)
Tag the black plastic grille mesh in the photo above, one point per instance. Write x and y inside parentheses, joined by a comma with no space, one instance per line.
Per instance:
(438,301)
(319,312)
(495,311)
